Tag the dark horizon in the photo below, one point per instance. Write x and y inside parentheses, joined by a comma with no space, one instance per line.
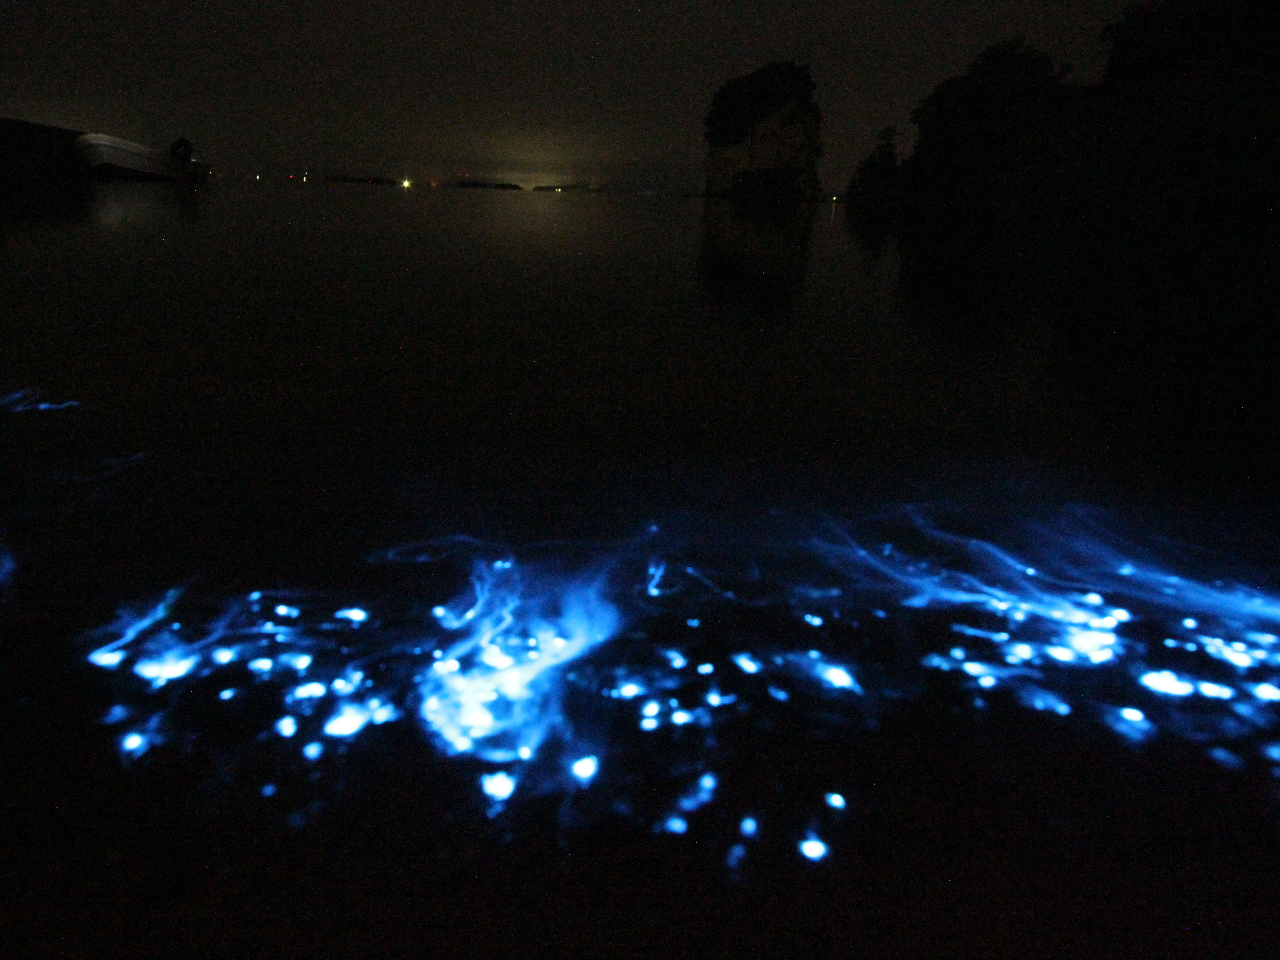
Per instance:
(609,94)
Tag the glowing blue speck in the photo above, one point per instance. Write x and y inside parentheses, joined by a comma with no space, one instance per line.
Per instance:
(347,722)
(987,682)
(677,661)
(223,655)
(737,853)
(1267,691)
(779,694)
(268,789)
(649,723)
(675,825)
(116,714)
(651,709)
(1061,653)
(1094,599)
(163,669)
(748,827)
(299,661)
(308,690)
(1166,681)
(695,623)
(813,621)
(226,694)
(1225,757)
(745,663)
(838,677)
(1215,690)
(681,717)
(707,781)
(813,848)
(1190,623)
(705,668)
(835,801)
(286,726)
(629,690)
(498,785)
(106,658)
(284,611)
(356,615)
(1133,714)
(261,665)
(133,742)
(585,768)
(312,751)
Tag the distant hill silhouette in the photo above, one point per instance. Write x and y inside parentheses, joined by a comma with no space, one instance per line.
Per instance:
(763,135)
(1134,218)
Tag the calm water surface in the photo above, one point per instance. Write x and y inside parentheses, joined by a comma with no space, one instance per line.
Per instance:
(275,384)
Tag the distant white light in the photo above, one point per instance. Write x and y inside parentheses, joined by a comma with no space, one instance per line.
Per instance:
(585,768)
(286,726)
(498,785)
(813,848)
(835,801)
(405,184)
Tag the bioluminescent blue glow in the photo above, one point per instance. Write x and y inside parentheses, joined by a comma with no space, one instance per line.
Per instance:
(27,401)
(620,676)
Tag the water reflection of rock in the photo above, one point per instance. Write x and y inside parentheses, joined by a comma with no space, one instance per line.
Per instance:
(754,257)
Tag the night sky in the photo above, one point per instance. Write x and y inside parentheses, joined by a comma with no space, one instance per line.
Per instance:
(602,90)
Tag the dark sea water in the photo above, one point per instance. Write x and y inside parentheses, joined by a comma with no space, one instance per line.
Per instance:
(989,617)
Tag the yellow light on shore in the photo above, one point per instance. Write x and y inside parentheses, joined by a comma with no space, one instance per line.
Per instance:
(406,184)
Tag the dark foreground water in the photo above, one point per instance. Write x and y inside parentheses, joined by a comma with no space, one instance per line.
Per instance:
(407,573)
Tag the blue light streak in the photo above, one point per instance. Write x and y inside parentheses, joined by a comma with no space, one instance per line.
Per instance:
(536,668)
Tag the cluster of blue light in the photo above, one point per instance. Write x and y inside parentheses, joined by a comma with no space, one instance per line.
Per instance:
(27,401)
(526,669)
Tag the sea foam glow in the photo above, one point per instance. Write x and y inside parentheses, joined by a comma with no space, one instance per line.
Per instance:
(628,672)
